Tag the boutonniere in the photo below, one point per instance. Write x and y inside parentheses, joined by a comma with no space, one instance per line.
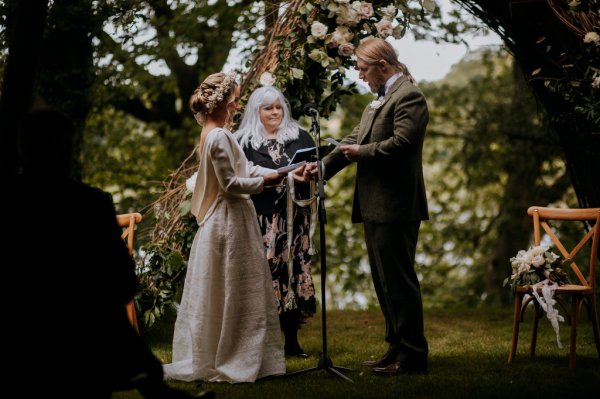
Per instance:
(375,104)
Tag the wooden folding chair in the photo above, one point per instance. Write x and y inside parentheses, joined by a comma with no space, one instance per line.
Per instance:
(128,221)
(581,292)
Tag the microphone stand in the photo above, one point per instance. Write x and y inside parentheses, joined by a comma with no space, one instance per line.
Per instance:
(325,362)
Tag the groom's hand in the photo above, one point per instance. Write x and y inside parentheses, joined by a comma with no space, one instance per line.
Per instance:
(311,171)
(350,151)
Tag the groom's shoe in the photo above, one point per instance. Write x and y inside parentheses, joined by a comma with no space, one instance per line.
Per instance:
(382,362)
(207,395)
(398,368)
(388,358)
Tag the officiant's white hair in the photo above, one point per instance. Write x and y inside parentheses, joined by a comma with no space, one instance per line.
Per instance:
(253,132)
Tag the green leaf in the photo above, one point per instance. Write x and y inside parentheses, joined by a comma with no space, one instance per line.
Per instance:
(429,5)
(184,208)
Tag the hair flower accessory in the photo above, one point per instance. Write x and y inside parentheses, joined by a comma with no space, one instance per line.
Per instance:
(219,94)
(266,79)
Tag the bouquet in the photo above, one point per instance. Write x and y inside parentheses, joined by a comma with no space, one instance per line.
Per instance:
(540,268)
(536,265)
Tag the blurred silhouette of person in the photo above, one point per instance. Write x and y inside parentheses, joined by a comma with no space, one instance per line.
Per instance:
(69,332)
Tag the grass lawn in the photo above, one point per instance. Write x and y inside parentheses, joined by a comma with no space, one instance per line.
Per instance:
(468,359)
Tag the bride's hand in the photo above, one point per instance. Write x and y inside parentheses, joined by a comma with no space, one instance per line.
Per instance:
(273,179)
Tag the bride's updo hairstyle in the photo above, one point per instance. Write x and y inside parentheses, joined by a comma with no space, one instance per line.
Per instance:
(216,90)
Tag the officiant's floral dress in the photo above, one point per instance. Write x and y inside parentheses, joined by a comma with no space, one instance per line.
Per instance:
(296,291)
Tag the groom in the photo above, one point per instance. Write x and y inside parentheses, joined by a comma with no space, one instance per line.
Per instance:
(389,198)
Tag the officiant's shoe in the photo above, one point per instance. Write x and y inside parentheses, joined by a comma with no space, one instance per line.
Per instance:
(296,351)
(398,368)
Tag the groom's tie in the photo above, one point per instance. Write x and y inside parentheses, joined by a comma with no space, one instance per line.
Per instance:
(381,91)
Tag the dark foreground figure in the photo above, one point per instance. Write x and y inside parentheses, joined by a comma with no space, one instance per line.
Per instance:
(68,333)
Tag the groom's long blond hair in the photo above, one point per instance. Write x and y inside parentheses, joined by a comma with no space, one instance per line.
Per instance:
(374,49)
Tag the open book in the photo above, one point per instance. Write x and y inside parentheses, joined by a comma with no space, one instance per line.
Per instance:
(310,154)
(290,167)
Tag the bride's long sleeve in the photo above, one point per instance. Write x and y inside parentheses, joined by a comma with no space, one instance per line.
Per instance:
(234,173)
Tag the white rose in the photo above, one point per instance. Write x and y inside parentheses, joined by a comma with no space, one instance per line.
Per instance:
(592,37)
(266,79)
(363,9)
(551,257)
(537,250)
(390,11)
(346,49)
(190,183)
(340,35)
(524,268)
(596,82)
(384,28)
(537,261)
(318,30)
(347,16)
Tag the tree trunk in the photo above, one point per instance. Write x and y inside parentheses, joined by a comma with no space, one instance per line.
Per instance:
(26,27)
(66,72)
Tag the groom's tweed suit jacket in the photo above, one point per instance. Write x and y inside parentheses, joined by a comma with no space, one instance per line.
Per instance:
(389,177)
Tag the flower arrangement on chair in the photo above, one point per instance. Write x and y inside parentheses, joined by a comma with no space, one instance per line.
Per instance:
(540,269)
(536,265)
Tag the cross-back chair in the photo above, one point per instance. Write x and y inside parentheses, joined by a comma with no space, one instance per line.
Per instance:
(128,221)
(581,292)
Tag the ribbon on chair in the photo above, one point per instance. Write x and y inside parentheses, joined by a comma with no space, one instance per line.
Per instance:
(547,303)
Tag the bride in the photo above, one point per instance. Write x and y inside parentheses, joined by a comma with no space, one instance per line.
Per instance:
(227,328)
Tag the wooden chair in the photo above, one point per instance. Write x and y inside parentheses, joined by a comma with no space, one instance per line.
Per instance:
(582,291)
(128,221)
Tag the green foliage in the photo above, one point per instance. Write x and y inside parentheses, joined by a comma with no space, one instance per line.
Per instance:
(578,79)
(113,145)
(488,156)
(151,55)
(163,270)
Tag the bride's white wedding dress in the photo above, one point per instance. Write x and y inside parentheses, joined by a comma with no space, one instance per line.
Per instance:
(227,327)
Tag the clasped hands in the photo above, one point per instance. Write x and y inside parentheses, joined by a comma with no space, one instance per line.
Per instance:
(275,179)
(350,151)
(310,170)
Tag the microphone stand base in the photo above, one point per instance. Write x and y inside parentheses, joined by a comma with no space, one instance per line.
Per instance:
(325,363)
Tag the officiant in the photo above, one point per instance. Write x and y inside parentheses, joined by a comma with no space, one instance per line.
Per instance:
(270,137)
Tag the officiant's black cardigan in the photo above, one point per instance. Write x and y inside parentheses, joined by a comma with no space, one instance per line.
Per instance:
(269,200)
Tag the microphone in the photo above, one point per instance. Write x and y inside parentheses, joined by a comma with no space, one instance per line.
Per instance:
(310,109)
